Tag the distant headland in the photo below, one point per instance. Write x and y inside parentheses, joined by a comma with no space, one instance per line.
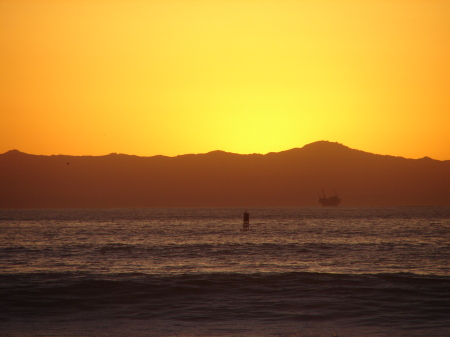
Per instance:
(221,179)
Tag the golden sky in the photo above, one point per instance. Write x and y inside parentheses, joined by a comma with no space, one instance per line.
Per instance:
(91,77)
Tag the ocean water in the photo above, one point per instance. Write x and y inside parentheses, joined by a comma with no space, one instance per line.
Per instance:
(194,272)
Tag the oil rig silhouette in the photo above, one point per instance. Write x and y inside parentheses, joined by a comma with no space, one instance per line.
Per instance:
(329,201)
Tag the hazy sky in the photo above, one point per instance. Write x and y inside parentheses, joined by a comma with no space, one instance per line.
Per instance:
(91,77)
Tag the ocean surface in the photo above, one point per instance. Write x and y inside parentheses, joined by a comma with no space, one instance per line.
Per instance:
(194,272)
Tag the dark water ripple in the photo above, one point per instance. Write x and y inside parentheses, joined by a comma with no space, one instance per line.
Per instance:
(192,272)
(385,299)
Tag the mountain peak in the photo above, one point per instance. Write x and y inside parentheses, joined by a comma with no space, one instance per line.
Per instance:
(14,153)
(325,148)
(218,153)
(325,144)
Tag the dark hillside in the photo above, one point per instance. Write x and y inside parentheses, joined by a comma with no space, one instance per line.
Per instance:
(288,178)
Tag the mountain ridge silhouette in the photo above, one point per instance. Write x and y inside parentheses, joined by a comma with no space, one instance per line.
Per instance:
(293,177)
(315,146)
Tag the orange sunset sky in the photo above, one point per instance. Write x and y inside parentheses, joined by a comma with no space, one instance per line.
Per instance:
(91,77)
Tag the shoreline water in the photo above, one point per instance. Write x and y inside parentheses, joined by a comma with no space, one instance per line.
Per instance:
(191,272)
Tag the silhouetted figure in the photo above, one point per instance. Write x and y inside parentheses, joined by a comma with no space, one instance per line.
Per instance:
(246,225)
